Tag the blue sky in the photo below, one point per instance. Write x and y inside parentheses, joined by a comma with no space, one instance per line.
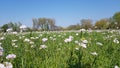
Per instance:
(65,12)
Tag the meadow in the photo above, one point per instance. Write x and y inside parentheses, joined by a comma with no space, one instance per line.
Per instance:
(80,49)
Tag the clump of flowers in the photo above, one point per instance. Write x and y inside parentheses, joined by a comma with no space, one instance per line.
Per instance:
(6,65)
(68,39)
(83,43)
(10,56)
(116,41)
(44,39)
(43,46)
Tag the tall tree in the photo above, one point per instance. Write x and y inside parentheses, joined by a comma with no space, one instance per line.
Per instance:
(44,23)
(102,24)
(35,24)
(51,23)
(116,18)
(14,26)
(86,23)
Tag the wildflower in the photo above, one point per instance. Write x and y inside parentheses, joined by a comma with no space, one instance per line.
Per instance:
(94,53)
(116,41)
(2,65)
(2,38)
(32,46)
(68,40)
(14,40)
(31,42)
(10,56)
(40,35)
(8,65)
(116,66)
(82,30)
(44,39)
(76,42)
(43,46)
(83,45)
(71,37)
(98,43)
(32,38)
(36,37)
(27,40)
(15,45)
(77,48)
(77,34)
(85,41)
(14,32)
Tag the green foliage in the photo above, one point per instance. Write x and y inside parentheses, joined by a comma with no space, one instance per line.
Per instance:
(116,18)
(60,54)
(73,27)
(14,26)
(102,24)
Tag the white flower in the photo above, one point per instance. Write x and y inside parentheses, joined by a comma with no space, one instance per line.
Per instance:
(67,40)
(32,46)
(10,56)
(14,32)
(116,41)
(98,43)
(82,30)
(77,34)
(43,46)
(8,65)
(13,44)
(2,65)
(44,39)
(94,53)
(2,38)
(116,66)
(32,38)
(85,41)
(76,42)
(77,48)
(83,45)
(71,37)
(27,40)
(14,40)
(31,42)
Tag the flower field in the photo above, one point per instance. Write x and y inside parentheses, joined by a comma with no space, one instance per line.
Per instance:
(81,49)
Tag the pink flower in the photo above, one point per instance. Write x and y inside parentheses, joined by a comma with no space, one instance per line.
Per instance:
(10,56)
(44,39)
(43,46)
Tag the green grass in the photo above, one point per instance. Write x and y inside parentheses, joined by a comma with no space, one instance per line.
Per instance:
(59,54)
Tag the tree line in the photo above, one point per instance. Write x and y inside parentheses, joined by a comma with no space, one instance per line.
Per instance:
(49,24)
